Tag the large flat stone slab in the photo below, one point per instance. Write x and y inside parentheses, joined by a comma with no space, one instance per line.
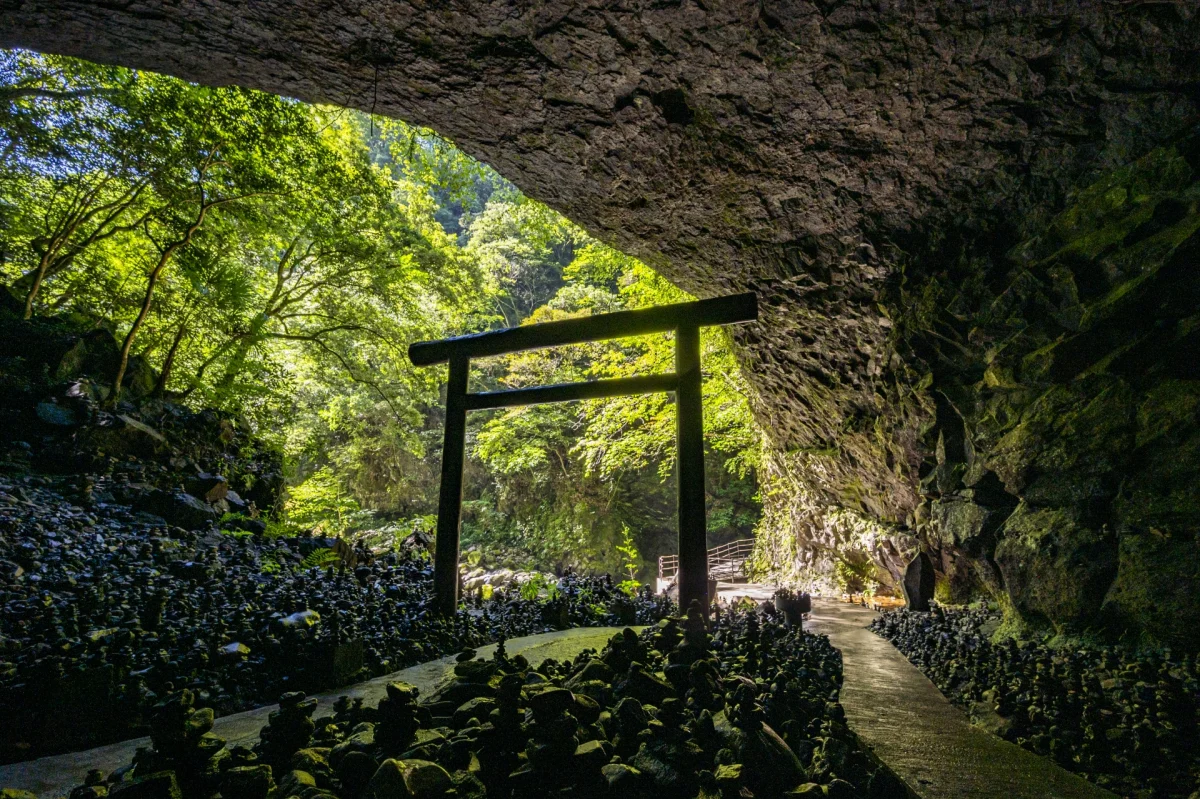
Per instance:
(926,741)
(55,775)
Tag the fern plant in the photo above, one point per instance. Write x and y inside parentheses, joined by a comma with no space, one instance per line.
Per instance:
(320,559)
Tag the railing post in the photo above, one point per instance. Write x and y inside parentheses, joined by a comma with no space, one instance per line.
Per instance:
(445,560)
(689,431)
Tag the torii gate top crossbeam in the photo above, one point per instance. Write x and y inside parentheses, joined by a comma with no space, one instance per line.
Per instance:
(703,313)
(685,319)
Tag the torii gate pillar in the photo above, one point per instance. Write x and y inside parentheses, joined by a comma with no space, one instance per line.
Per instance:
(689,437)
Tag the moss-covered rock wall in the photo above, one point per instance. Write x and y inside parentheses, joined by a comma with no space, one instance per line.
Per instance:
(1065,473)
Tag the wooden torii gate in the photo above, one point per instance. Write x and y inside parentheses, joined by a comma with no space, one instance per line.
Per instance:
(685,319)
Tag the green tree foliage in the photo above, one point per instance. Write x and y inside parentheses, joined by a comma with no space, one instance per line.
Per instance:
(321,503)
(628,551)
(275,259)
(564,482)
(244,245)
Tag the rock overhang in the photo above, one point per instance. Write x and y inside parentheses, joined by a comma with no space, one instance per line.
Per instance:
(877,173)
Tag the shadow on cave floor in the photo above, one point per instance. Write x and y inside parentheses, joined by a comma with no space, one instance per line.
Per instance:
(926,741)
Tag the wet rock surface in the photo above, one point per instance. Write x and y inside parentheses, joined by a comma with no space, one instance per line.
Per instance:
(1127,721)
(746,707)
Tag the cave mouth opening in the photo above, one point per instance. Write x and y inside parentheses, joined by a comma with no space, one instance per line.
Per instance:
(977,329)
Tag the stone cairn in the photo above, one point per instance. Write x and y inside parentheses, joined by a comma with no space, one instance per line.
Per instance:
(107,608)
(1126,719)
(182,744)
(737,706)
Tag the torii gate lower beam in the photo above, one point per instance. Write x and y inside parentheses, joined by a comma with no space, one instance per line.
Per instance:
(685,319)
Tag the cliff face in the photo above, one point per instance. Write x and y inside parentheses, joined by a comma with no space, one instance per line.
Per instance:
(1066,396)
(971,230)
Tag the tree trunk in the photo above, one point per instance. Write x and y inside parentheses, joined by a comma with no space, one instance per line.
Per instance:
(127,345)
(160,389)
(148,298)
(238,360)
(38,276)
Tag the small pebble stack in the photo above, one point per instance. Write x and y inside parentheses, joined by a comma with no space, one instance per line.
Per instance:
(746,708)
(1127,720)
(105,611)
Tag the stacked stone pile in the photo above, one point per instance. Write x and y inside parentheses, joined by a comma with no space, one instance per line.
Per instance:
(108,609)
(1127,720)
(748,708)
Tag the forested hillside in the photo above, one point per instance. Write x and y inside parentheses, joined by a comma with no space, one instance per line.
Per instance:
(274,260)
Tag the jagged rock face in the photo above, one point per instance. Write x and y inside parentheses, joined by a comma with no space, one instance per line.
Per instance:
(1068,472)
(896,186)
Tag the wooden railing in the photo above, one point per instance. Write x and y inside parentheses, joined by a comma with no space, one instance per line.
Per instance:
(726,562)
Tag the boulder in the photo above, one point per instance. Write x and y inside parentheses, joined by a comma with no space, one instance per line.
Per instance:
(208,487)
(235,651)
(247,782)
(134,429)
(644,686)
(58,415)
(303,620)
(294,782)
(426,780)
(355,771)
(388,783)
(123,435)
(591,756)
(179,509)
(477,708)
(235,502)
(594,670)
(84,389)
(94,353)
(1057,565)
(362,742)
(160,785)
(621,779)
(551,702)
(140,378)
(408,779)
(770,766)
